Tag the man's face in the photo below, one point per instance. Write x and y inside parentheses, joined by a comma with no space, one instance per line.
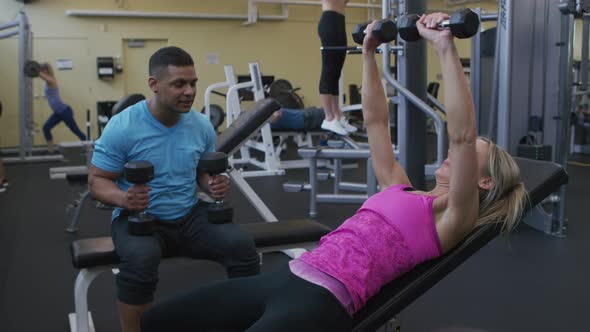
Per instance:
(175,87)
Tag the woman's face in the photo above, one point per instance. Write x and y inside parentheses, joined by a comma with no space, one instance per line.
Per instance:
(443,173)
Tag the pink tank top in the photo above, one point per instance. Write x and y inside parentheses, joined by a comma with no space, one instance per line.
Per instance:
(390,234)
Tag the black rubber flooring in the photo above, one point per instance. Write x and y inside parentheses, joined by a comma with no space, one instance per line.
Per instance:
(529,282)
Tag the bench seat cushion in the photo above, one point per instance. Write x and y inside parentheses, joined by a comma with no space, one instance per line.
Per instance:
(100,251)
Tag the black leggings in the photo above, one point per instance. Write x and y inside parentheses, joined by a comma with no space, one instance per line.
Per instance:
(332,32)
(277,301)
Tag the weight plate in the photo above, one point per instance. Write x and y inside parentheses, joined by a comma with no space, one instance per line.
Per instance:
(280,87)
(217,115)
(32,68)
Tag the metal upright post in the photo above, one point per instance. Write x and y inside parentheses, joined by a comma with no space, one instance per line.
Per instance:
(25,89)
(505,15)
(475,73)
(493,110)
(584,57)
(565,102)
(313,183)
(411,73)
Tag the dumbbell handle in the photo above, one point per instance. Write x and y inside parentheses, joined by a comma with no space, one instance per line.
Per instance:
(444,24)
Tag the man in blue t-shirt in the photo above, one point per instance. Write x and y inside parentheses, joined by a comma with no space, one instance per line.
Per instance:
(167,132)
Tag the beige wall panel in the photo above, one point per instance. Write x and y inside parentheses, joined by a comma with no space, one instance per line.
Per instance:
(136,61)
(9,92)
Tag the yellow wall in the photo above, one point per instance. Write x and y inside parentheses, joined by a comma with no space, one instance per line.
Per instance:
(287,49)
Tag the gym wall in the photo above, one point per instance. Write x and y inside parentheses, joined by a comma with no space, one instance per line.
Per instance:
(287,49)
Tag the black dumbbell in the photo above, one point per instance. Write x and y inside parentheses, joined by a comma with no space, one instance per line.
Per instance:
(32,68)
(463,24)
(384,31)
(140,172)
(215,163)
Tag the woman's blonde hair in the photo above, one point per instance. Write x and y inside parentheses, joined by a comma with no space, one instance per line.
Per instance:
(505,202)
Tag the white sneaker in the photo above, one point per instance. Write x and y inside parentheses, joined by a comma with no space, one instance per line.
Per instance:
(347,126)
(334,126)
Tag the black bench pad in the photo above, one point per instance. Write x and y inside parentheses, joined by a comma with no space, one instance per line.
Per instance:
(93,252)
(79,177)
(540,178)
(269,234)
(87,253)
(246,125)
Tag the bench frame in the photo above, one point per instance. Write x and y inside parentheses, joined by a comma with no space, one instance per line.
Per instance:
(82,317)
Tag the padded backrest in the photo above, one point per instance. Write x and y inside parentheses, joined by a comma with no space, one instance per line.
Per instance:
(246,125)
(125,102)
(540,178)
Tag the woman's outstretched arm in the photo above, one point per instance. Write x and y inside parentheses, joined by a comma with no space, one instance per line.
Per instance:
(376,117)
(463,206)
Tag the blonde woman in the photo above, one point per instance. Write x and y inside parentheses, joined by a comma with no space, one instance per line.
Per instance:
(61,111)
(390,234)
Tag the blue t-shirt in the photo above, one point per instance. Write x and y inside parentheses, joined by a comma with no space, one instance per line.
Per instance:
(135,134)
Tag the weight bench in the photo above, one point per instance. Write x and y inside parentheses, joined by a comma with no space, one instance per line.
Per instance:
(541,179)
(96,255)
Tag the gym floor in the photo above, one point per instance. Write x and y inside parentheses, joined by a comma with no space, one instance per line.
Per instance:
(527,282)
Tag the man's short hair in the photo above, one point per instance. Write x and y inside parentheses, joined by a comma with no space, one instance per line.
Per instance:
(167,56)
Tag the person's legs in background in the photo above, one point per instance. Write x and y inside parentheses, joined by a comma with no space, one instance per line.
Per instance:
(343,120)
(332,32)
(53,120)
(68,117)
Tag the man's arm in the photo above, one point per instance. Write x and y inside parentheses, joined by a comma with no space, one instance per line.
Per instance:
(103,188)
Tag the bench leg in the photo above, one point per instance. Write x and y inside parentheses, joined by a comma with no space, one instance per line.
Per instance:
(73,228)
(83,281)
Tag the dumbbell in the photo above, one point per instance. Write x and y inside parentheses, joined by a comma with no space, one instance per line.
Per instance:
(384,31)
(140,172)
(214,163)
(463,24)
(32,68)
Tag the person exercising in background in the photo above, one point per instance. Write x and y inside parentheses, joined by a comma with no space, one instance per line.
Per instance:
(307,119)
(332,32)
(61,111)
